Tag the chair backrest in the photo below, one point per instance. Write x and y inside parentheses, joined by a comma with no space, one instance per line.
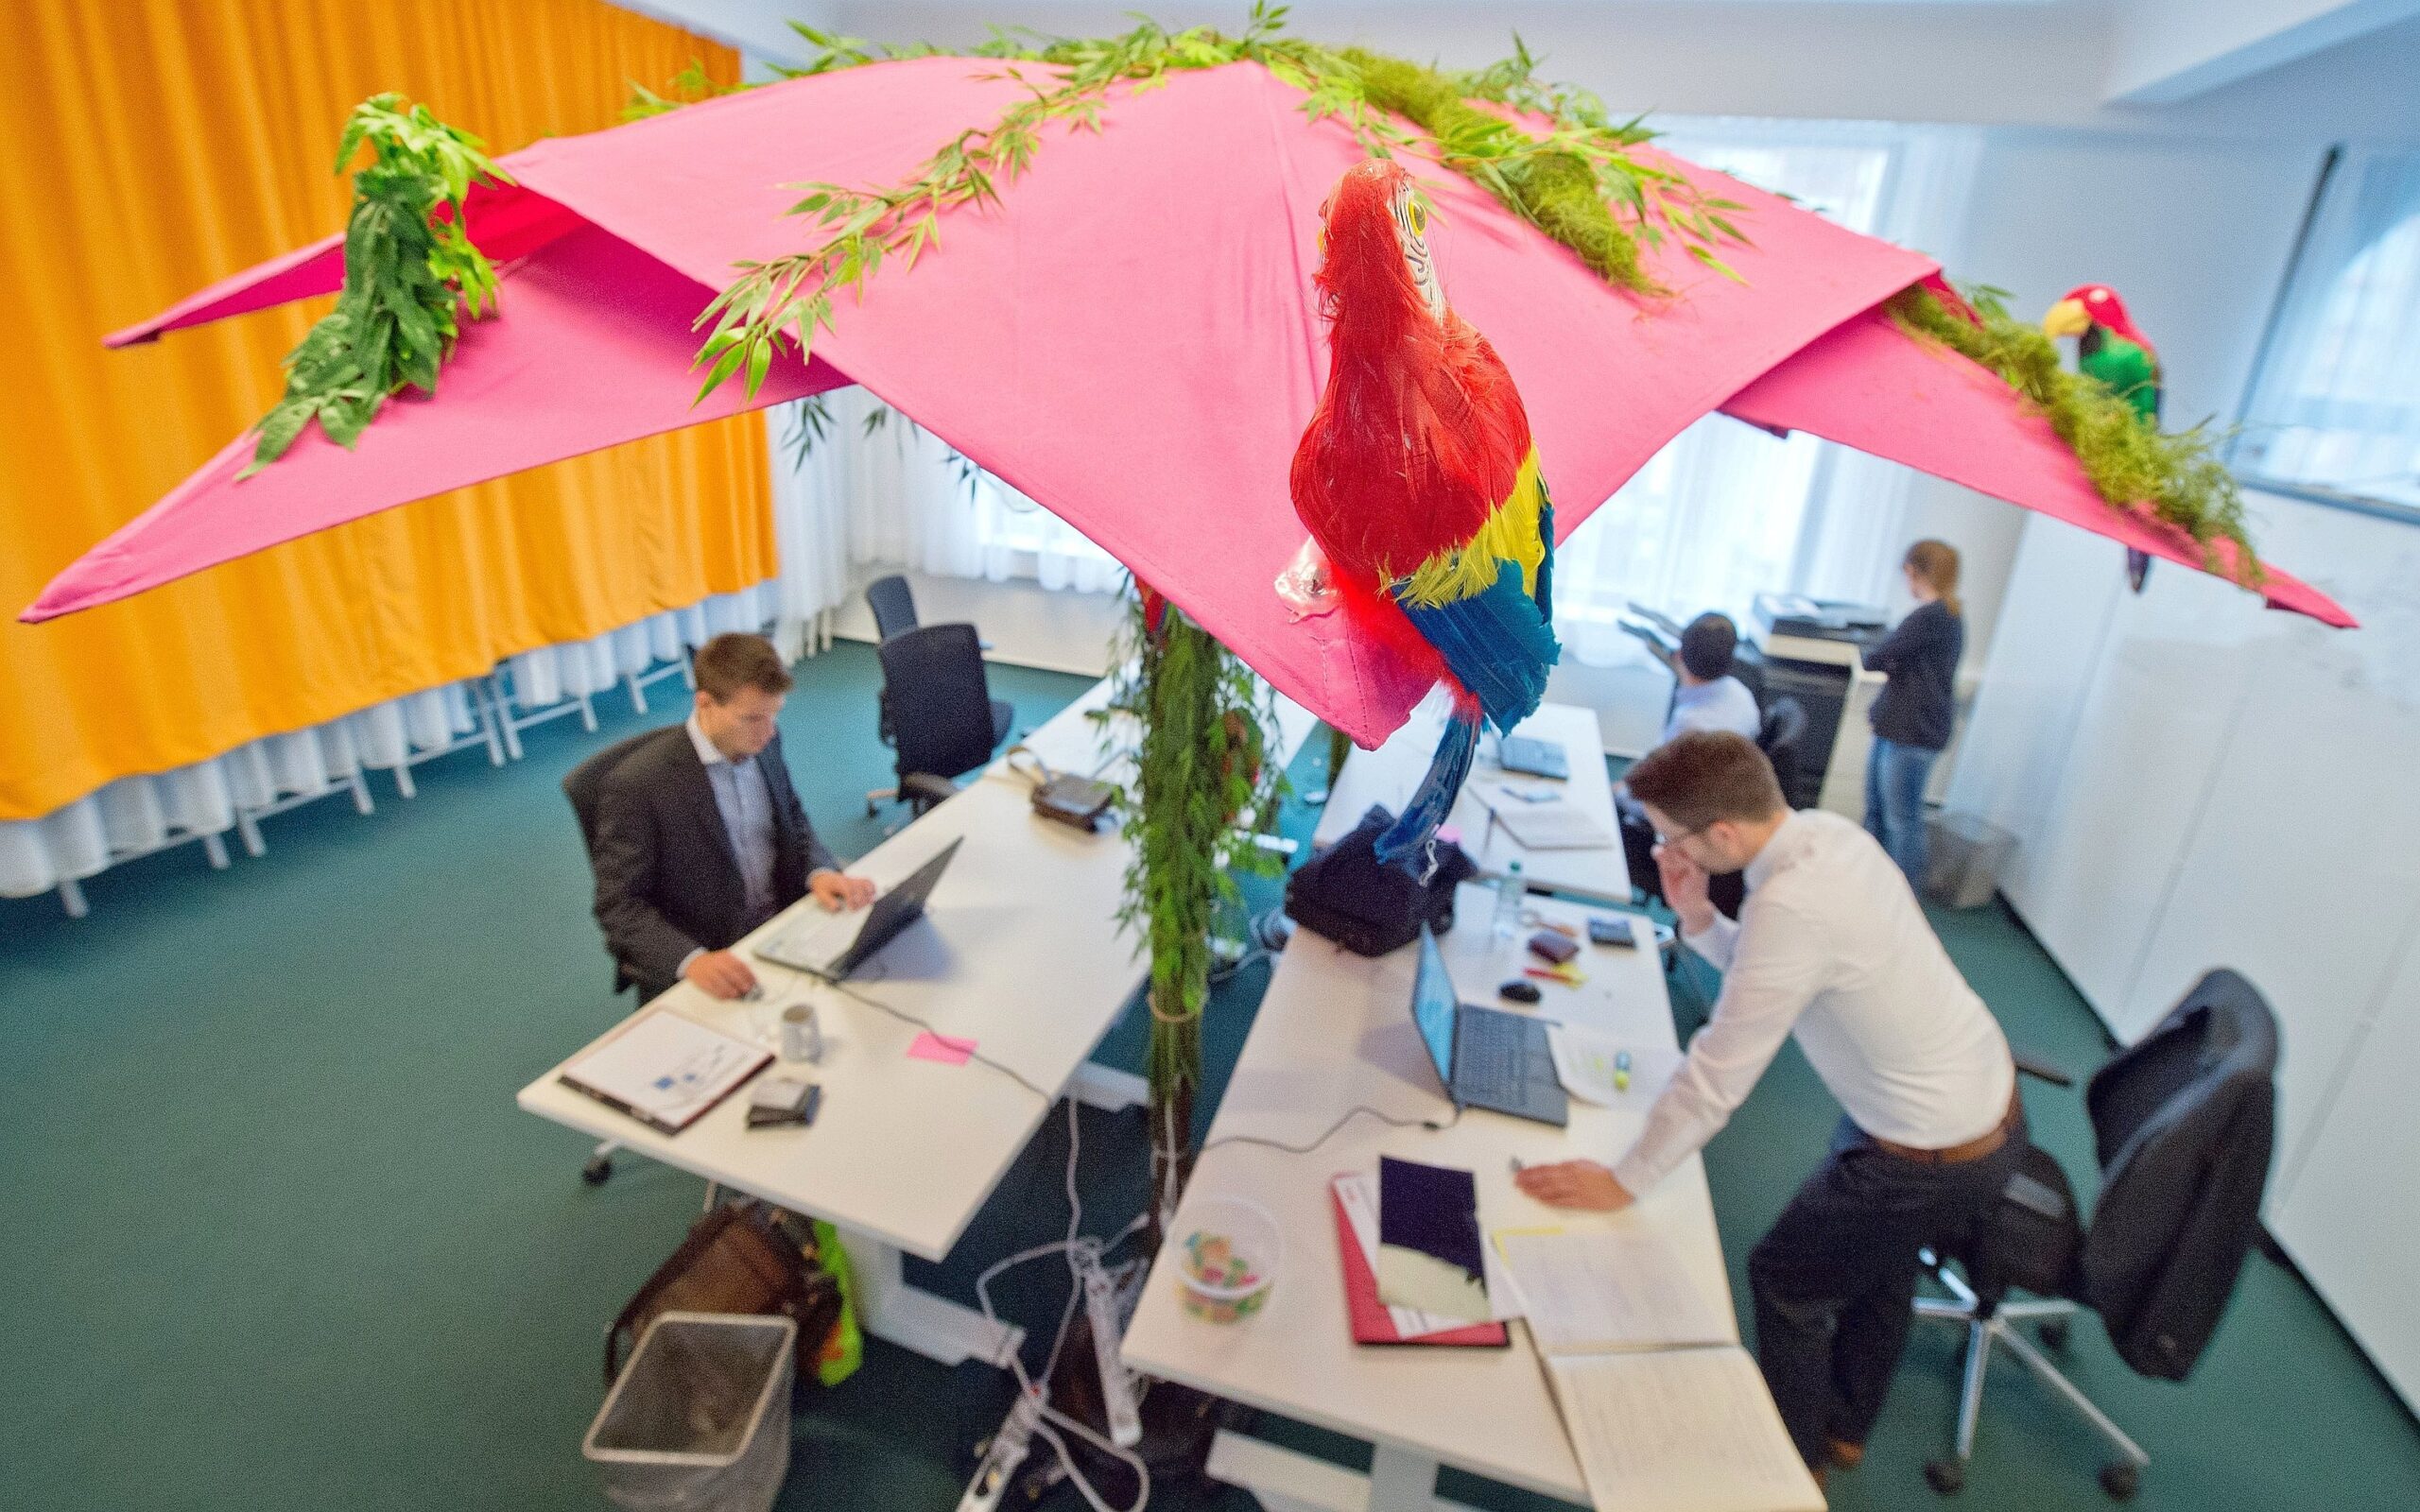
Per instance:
(938,700)
(893,606)
(2184,1125)
(584,784)
(1779,735)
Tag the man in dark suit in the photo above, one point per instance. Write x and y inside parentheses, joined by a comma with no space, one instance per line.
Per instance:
(701,837)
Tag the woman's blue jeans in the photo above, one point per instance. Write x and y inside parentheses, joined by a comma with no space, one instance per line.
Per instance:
(1894,803)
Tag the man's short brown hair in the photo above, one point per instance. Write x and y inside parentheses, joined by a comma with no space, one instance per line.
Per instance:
(1704,776)
(730,663)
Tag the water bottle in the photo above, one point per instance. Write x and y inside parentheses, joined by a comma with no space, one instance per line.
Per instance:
(1510,894)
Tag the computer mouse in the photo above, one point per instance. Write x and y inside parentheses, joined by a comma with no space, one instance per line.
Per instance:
(1520,991)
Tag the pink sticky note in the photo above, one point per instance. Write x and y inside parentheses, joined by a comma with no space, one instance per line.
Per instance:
(947,1049)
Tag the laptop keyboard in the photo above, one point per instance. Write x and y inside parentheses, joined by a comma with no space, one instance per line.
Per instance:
(1491,1060)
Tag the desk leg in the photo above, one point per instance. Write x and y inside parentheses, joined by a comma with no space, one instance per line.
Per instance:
(1401,1480)
(913,1319)
(1284,1480)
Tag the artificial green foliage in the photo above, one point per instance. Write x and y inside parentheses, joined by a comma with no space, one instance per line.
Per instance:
(2131,463)
(1200,771)
(406,270)
(1566,168)
(688,87)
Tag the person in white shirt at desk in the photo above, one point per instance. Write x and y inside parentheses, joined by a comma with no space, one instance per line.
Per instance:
(1831,947)
(1709,697)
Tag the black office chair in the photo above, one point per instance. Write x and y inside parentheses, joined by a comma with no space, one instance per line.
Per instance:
(1780,734)
(584,784)
(2183,1124)
(895,607)
(937,712)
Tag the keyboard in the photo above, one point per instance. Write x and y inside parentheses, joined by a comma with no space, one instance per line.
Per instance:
(1490,1056)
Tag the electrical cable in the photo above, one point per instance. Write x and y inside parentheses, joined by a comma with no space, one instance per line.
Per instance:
(904,1017)
(1433,1125)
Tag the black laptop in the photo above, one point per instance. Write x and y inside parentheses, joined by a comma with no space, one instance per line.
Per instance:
(1486,1057)
(809,945)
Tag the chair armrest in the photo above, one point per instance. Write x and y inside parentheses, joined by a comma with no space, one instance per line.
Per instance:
(2043,1071)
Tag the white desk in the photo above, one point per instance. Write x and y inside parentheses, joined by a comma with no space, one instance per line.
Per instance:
(1072,740)
(1017,952)
(1388,775)
(1335,1031)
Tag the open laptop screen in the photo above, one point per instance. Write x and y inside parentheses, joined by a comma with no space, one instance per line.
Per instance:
(1433,1005)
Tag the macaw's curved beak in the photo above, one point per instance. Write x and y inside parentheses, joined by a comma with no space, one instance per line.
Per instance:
(2069,318)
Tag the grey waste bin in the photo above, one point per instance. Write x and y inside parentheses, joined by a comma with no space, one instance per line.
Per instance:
(699,1420)
(1965,858)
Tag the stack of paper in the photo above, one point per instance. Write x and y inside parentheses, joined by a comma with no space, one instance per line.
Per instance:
(1663,1407)
(1595,1290)
(1591,1066)
(1373,1322)
(1557,826)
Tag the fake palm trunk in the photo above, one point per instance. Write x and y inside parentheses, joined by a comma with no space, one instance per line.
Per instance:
(1197,767)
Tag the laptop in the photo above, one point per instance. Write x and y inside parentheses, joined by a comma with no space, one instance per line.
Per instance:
(1486,1057)
(809,945)
(1538,758)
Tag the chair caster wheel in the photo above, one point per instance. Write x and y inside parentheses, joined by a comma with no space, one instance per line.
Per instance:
(2054,1334)
(596,1170)
(1946,1476)
(2121,1482)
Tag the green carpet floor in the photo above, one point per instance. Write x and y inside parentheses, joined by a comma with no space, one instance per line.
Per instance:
(273,1235)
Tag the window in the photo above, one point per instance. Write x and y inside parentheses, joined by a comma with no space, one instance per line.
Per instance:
(1726,511)
(2336,404)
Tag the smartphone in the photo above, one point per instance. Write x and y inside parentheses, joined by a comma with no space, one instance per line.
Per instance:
(1613,930)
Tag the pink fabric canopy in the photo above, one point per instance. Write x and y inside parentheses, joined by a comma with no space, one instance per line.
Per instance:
(1131,337)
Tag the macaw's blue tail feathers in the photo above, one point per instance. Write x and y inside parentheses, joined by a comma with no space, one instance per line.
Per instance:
(1410,835)
(1496,644)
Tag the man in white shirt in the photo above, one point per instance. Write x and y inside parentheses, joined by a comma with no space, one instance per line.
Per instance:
(1831,947)
(1709,697)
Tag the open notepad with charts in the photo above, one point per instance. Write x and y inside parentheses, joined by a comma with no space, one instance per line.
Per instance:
(1663,1407)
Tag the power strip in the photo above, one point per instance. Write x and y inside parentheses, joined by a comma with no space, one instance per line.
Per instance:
(1108,1329)
(1006,1455)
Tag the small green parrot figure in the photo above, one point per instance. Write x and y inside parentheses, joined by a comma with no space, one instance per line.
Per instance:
(2110,346)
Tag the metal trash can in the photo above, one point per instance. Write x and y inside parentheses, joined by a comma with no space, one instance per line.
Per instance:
(1965,857)
(699,1420)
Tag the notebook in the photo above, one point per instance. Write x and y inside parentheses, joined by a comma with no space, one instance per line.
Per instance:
(664,1070)
(1430,1255)
(1356,1199)
(1663,1407)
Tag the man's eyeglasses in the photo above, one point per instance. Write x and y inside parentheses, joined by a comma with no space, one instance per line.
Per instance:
(1661,838)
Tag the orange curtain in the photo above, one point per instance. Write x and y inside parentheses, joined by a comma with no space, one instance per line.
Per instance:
(149,147)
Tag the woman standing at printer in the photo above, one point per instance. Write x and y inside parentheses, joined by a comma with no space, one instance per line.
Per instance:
(1912,716)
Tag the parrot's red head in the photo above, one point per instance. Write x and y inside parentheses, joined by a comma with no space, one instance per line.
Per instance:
(1376,273)
(2089,305)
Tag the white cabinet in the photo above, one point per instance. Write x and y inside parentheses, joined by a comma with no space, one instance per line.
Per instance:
(2350,1219)
(2194,782)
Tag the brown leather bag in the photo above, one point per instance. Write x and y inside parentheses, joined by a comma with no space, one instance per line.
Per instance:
(740,1258)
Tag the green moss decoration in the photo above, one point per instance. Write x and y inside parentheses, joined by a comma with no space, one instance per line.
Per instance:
(2131,463)
(405,274)
(1566,168)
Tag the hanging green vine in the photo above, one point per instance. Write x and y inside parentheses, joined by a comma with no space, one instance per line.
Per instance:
(2131,462)
(405,269)
(1201,766)
(1580,182)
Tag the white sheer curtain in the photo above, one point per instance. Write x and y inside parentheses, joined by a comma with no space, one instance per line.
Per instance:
(2337,403)
(892,494)
(1727,511)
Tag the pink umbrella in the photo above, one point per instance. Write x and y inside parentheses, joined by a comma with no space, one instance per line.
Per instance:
(1129,337)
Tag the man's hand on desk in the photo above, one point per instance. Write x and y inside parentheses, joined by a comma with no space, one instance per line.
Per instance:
(838,890)
(1574,1184)
(718,973)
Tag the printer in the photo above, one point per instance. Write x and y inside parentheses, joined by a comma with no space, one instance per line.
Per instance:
(1797,616)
